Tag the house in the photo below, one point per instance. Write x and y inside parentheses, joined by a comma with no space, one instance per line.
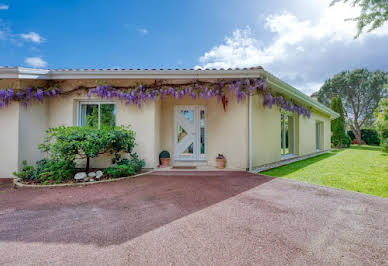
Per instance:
(248,115)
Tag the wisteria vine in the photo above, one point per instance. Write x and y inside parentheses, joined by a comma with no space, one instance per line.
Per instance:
(241,88)
(140,94)
(25,96)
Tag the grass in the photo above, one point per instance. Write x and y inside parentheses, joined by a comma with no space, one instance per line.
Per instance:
(359,168)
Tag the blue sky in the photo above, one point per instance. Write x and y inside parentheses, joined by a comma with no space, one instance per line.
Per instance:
(302,42)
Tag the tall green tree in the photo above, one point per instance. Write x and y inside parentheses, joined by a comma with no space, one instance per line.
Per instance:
(374,13)
(360,91)
(339,138)
(382,122)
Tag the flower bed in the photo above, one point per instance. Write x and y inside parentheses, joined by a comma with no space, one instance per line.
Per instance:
(66,144)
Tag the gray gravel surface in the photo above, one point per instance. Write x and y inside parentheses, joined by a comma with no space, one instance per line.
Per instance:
(198,218)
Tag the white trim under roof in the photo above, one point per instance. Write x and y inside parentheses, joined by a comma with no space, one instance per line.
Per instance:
(64,74)
(254,72)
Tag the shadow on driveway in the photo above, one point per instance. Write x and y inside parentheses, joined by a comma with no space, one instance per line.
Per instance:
(113,213)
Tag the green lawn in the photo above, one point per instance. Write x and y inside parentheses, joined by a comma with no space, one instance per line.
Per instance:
(358,168)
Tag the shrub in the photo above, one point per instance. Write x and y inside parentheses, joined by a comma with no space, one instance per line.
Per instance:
(384,145)
(125,167)
(381,116)
(346,140)
(368,136)
(351,135)
(67,143)
(47,171)
(119,170)
(338,138)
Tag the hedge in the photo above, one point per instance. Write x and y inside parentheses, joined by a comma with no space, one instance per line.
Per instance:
(369,135)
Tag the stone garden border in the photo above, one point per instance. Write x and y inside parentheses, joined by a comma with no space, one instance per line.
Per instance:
(20,184)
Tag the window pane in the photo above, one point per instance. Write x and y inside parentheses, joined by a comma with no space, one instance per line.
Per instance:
(188,114)
(181,133)
(202,123)
(189,150)
(318,136)
(286,150)
(290,135)
(108,114)
(89,115)
(287,134)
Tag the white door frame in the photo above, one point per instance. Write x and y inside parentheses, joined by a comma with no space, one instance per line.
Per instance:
(194,133)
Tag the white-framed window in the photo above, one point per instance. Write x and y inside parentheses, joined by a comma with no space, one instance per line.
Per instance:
(97,114)
(287,134)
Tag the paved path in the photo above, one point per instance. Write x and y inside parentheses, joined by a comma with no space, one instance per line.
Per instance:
(193,218)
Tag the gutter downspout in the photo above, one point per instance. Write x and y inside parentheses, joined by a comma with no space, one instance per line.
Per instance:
(250,133)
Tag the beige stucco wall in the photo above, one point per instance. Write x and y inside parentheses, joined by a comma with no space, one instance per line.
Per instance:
(266,128)
(33,122)
(143,122)
(307,133)
(9,140)
(265,133)
(64,111)
(227,131)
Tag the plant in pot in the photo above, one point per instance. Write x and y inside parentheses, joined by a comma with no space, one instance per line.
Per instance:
(164,158)
(221,161)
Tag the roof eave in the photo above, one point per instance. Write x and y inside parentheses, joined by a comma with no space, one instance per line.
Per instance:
(31,73)
(287,90)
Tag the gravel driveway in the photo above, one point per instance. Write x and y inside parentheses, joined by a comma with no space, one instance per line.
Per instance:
(192,218)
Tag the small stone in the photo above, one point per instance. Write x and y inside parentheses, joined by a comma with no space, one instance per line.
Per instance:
(80,176)
(92,174)
(91,180)
(86,179)
(99,174)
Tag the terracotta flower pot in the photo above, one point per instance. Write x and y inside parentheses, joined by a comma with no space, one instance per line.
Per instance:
(165,162)
(220,163)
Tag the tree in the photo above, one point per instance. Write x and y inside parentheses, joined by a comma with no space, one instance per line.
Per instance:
(360,91)
(70,143)
(381,115)
(374,13)
(339,138)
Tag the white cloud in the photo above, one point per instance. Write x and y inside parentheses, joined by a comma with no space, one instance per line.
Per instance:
(143,31)
(4,7)
(35,62)
(298,46)
(33,37)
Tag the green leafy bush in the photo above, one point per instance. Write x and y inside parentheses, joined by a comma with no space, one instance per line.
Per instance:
(384,145)
(339,137)
(67,143)
(47,171)
(125,167)
(381,115)
(369,135)
(119,171)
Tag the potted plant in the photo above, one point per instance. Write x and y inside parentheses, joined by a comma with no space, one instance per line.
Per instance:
(221,161)
(164,158)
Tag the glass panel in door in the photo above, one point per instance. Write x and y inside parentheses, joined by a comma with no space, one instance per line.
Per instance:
(185,133)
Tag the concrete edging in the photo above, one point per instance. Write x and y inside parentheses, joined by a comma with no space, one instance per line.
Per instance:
(286,161)
(20,184)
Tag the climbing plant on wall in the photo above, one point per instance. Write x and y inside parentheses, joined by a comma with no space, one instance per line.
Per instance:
(140,94)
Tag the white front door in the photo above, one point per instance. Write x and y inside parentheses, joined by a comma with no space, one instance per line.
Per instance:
(190,132)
